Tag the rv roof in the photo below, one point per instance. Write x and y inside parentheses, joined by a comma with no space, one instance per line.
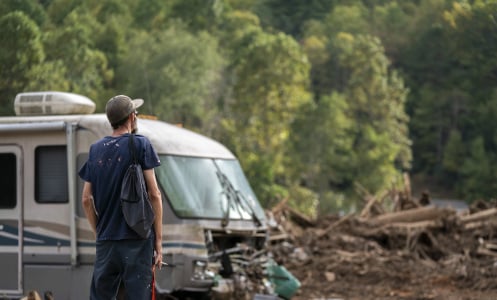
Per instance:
(166,138)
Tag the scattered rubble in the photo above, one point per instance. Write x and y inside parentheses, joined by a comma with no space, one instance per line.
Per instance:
(414,250)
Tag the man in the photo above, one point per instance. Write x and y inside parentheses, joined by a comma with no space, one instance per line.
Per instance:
(121,255)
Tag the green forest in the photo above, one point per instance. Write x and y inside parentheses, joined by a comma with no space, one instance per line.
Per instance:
(321,100)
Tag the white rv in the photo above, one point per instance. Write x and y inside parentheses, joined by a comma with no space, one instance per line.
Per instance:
(214,227)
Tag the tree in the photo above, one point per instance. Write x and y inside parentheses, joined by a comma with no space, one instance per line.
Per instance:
(321,147)
(454,152)
(21,51)
(351,19)
(451,69)
(477,173)
(31,9)
(74,46)
(114,19)
(199,15)
(150,14)
(289,15)
(389,24)
(317,42)
(376,99)
(177,73)
(270,85)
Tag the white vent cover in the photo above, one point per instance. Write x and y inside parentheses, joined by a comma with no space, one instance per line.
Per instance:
(52,103)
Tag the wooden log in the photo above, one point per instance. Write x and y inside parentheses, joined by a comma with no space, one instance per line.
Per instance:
(278,237)
(334,225)
(482,251)
(426,224)
(280,205)
(479,224)
(300,218)
(490,246)
(365,211)
(479,216)
(413,215)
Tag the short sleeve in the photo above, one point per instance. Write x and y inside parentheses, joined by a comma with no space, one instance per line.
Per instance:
(85,172)
(150,157)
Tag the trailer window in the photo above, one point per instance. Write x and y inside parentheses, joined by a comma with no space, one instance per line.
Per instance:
(8,180)
(195,188)
(51,174)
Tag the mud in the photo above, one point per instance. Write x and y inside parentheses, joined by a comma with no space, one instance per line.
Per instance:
(447,255)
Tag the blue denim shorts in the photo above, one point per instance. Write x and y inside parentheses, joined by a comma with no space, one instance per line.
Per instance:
(129,261)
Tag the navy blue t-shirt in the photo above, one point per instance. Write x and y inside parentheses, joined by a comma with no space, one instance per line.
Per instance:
(108,160)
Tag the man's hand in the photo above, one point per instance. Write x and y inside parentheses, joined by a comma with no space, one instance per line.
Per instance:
(158,254)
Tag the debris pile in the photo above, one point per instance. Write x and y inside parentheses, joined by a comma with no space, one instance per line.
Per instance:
(415,250)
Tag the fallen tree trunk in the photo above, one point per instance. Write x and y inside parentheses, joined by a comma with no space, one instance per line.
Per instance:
(479,216)
(426,224)
(413,215)
(480,224)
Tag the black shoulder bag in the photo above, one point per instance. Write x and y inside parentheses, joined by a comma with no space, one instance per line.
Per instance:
(135,203)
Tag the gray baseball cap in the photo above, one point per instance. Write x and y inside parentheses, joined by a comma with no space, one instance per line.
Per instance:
(120,106)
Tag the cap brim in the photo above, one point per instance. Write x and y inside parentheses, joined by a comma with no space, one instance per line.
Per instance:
(137,103)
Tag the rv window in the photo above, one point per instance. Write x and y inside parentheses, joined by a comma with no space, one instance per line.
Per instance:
(8,180)
(195,190)
(234,172)
(51,174)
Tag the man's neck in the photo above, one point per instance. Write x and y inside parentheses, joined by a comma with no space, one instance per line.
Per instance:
(120,131)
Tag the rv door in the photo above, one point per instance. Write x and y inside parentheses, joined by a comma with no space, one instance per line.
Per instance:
(11,225)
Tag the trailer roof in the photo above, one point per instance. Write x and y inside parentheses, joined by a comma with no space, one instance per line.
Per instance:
(166,138)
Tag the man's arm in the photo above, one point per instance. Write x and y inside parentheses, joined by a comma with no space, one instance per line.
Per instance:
(156,201)
(87,201)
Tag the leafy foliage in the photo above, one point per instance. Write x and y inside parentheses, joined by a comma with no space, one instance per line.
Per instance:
(21,51)
(314,97)
(177,72)
(270,85)
(376,103)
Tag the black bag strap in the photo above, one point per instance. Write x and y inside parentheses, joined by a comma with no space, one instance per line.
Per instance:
(131,145)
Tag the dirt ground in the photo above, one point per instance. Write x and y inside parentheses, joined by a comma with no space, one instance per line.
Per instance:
(431,254)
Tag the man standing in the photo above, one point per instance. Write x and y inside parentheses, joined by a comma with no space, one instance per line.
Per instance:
(121,254)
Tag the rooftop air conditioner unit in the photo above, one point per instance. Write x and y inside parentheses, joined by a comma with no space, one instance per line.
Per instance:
(52,103)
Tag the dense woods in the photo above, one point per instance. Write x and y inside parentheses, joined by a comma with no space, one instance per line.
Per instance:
(317,98)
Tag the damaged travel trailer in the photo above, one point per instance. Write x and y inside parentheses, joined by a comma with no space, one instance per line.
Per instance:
(214,232)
